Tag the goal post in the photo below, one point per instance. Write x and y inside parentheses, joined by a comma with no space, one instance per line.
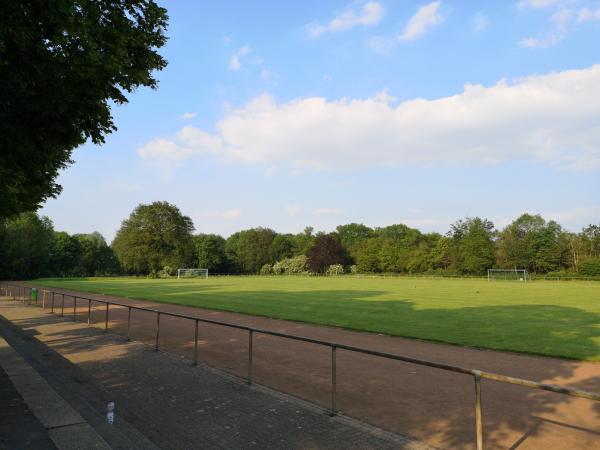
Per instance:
(508,274)
(192,273)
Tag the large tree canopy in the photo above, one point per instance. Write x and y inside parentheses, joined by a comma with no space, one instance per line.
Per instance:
(154,236)
(62,64)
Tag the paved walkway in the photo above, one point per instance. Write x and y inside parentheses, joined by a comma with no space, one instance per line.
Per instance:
(19,428)
(178,406)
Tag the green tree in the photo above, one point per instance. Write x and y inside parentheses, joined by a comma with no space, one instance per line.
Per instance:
(209,250)
(62,65)
(25,246)
(282,246)
(530,243)
(473,243)
(302,242)
(154,236)
(65,254)
(248,250)
(96,257)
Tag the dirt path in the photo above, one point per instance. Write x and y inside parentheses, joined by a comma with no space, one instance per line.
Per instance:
(431,405)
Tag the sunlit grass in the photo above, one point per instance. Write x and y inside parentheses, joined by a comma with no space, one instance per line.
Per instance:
(552,318)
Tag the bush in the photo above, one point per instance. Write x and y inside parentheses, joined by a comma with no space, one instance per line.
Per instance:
(266,269)
(291,266)
(335,269)
(590,268)
(354,269)
(167,271)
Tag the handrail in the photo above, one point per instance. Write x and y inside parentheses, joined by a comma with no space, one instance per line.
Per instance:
(477,374)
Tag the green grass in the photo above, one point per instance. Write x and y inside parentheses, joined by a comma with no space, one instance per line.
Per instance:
(560,319)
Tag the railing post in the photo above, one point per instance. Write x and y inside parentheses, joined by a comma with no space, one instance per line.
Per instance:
(129,324)
(43,299)
(478,418)
(333,380)
(157,330)
(52,308)
(62,306)
(89,311)
(196,344)
(250,334)
(106,319)
(75,309)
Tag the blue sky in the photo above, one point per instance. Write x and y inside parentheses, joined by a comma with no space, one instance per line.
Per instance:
(288,114)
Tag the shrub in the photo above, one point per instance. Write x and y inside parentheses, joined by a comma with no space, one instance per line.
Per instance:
(266,269)
(291,266)
(354,269)
(590,268)
(335,269)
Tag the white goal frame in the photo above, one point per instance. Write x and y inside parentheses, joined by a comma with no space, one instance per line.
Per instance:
(524,276)
(188,273)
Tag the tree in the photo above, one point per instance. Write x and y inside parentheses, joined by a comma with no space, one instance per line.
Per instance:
(96,257)
(281,247)
(209,250)
(65,253)
(154,236)
(62,65)
(472,240)
(25,244)
(530,243)
(325,252)
(248,250)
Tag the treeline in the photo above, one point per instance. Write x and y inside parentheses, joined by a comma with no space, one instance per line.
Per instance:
(157,239)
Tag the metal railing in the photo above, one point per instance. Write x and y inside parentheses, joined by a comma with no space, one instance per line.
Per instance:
(19,291)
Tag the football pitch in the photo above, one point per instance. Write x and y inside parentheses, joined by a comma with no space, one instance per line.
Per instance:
(560,319)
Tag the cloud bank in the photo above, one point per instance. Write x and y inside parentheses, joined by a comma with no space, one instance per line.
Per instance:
(552,119)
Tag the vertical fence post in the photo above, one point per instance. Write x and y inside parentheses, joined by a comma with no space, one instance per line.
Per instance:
(157,330)
(52,308)
(43,299)
(478,418)
(62,306)
(74,308)
(129,324)
(333,380)
(106,319)
(196,344)
(250,334)
(89,312)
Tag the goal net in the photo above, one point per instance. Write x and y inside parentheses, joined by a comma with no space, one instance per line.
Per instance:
(508,274)
(192,273)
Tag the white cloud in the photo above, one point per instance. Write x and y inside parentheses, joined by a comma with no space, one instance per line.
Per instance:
(268,76)
(235,61)
(427,16)
(565,17)
(552,119)
(229,214)
(480,23)
(165,150)
(328,212)
(587,15)
(370,15)
(188,115)
(293,210)
(538,4)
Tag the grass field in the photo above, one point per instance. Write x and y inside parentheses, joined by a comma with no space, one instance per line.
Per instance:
(551,318)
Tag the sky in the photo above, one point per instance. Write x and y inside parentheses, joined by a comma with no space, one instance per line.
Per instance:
(312,113)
